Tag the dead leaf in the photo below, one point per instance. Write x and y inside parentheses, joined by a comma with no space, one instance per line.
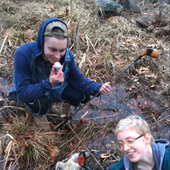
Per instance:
(152,86)
(71,145)
(143,70)
(105,155)
(151,76)
(71,29)
(54,151)
(119,62)
(28,135)
(51,7)
(23,147)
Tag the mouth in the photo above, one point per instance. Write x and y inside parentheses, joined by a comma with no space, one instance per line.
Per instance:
(130,154)
(54,59)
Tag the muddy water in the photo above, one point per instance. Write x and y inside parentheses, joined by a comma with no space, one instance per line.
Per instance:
(106,110)
(5,86)
(122,102)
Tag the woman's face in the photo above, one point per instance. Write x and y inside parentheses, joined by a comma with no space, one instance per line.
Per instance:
(134,145)
(54,49)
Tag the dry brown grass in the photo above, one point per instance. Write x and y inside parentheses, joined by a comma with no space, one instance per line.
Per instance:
(103,49)
(25,145)
(102,43)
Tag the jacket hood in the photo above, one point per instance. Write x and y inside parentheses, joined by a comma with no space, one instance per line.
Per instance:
(159,151)
(40,37)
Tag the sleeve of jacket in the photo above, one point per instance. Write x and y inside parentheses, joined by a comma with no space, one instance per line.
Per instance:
(118,166)
(79,82)
(22,77)
(166,160)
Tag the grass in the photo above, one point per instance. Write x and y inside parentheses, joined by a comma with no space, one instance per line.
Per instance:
(103,49)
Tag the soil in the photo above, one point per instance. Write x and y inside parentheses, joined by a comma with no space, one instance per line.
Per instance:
(103,47)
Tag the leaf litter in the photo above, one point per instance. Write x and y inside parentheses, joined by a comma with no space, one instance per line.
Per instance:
(102,50)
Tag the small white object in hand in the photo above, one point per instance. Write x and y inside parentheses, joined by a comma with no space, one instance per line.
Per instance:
(57,65)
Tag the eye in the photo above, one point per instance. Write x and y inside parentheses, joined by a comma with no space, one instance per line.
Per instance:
(130,141)
(53,49)
(120,144)
(61,51)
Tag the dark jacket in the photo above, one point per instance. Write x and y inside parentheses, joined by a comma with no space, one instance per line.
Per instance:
(30,78)
(161,153)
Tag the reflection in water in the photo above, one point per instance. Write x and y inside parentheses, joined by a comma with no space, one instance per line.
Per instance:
(108,109)
(5,86)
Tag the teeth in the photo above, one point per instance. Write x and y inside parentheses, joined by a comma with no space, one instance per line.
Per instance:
(129,153)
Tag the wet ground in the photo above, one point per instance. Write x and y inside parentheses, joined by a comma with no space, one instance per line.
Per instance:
(103,112)
(122,102)
(106,110)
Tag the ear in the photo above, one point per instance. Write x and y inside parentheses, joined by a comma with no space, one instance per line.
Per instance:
(147,138)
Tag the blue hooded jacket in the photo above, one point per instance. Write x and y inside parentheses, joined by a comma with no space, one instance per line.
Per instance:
(30,79)
(161,153)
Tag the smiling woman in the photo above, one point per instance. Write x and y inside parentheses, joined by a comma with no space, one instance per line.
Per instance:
(140,150)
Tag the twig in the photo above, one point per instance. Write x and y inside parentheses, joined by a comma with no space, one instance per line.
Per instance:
(72,152)
(8,148)
(3,43)
(87,50)
(101,117)
(85,55)
(1,151)
(71,8)
(92,45)
(67,141)
(159,119)
(84,115)
(82,60)
(77,38)
(116,159)
(85,147)
(7,152)
(49,133)
(13,107)
(8,136)
(72,46)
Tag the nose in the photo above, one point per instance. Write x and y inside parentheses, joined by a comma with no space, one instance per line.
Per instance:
(125,147)
(57,55)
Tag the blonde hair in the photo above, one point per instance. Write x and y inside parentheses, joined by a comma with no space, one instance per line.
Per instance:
(134,123)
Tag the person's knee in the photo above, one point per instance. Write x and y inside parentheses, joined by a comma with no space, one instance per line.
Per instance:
(86,98)
(40,106)
(73,96)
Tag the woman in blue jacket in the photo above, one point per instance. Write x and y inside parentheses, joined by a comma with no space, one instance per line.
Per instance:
(36,82)
(141,151)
